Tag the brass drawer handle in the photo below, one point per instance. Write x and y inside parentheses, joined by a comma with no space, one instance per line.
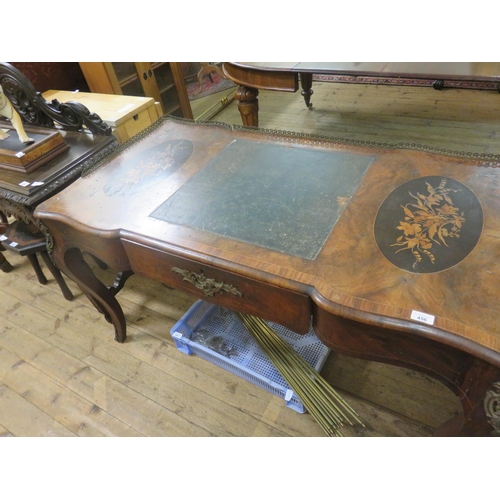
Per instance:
(208,286)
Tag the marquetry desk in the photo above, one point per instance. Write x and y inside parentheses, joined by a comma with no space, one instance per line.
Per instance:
(391,254)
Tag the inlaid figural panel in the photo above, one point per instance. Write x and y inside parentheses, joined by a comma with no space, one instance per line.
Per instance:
(155,164)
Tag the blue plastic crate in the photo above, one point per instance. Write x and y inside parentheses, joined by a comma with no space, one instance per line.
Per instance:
(217,335)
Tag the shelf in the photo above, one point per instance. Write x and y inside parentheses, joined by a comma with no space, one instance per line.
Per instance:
(164,82)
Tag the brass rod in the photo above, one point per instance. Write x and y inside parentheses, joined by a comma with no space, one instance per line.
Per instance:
(308,369)
(318,397)
(302,381)
(290,375)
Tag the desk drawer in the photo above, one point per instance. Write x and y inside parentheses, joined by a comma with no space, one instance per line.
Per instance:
(288,308)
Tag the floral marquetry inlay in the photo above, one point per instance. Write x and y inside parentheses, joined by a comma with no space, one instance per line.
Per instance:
(428,224)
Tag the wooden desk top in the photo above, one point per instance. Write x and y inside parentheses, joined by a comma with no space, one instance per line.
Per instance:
(399,238)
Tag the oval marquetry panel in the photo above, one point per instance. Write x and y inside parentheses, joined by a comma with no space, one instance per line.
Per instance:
(428,224)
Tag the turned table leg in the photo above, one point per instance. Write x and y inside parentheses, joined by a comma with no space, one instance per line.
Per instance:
(306,84)
(248,105)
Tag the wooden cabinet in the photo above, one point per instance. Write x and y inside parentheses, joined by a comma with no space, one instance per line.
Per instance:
(163,81)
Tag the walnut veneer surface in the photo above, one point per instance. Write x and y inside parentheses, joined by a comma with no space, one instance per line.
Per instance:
(399,262)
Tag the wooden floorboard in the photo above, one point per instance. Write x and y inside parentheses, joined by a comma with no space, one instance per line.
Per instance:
(453,119)
(61,368)
(62,373)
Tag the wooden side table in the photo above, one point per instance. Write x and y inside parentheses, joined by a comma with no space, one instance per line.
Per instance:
(126,115)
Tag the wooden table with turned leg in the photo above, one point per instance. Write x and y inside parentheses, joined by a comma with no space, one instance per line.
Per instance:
(287,76)
(392,255)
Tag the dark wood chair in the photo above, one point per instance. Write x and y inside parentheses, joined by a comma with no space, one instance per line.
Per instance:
(24,237)
(4,263)
(27,240)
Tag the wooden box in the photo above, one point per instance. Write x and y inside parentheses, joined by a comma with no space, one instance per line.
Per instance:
(126,115)
(24,158)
